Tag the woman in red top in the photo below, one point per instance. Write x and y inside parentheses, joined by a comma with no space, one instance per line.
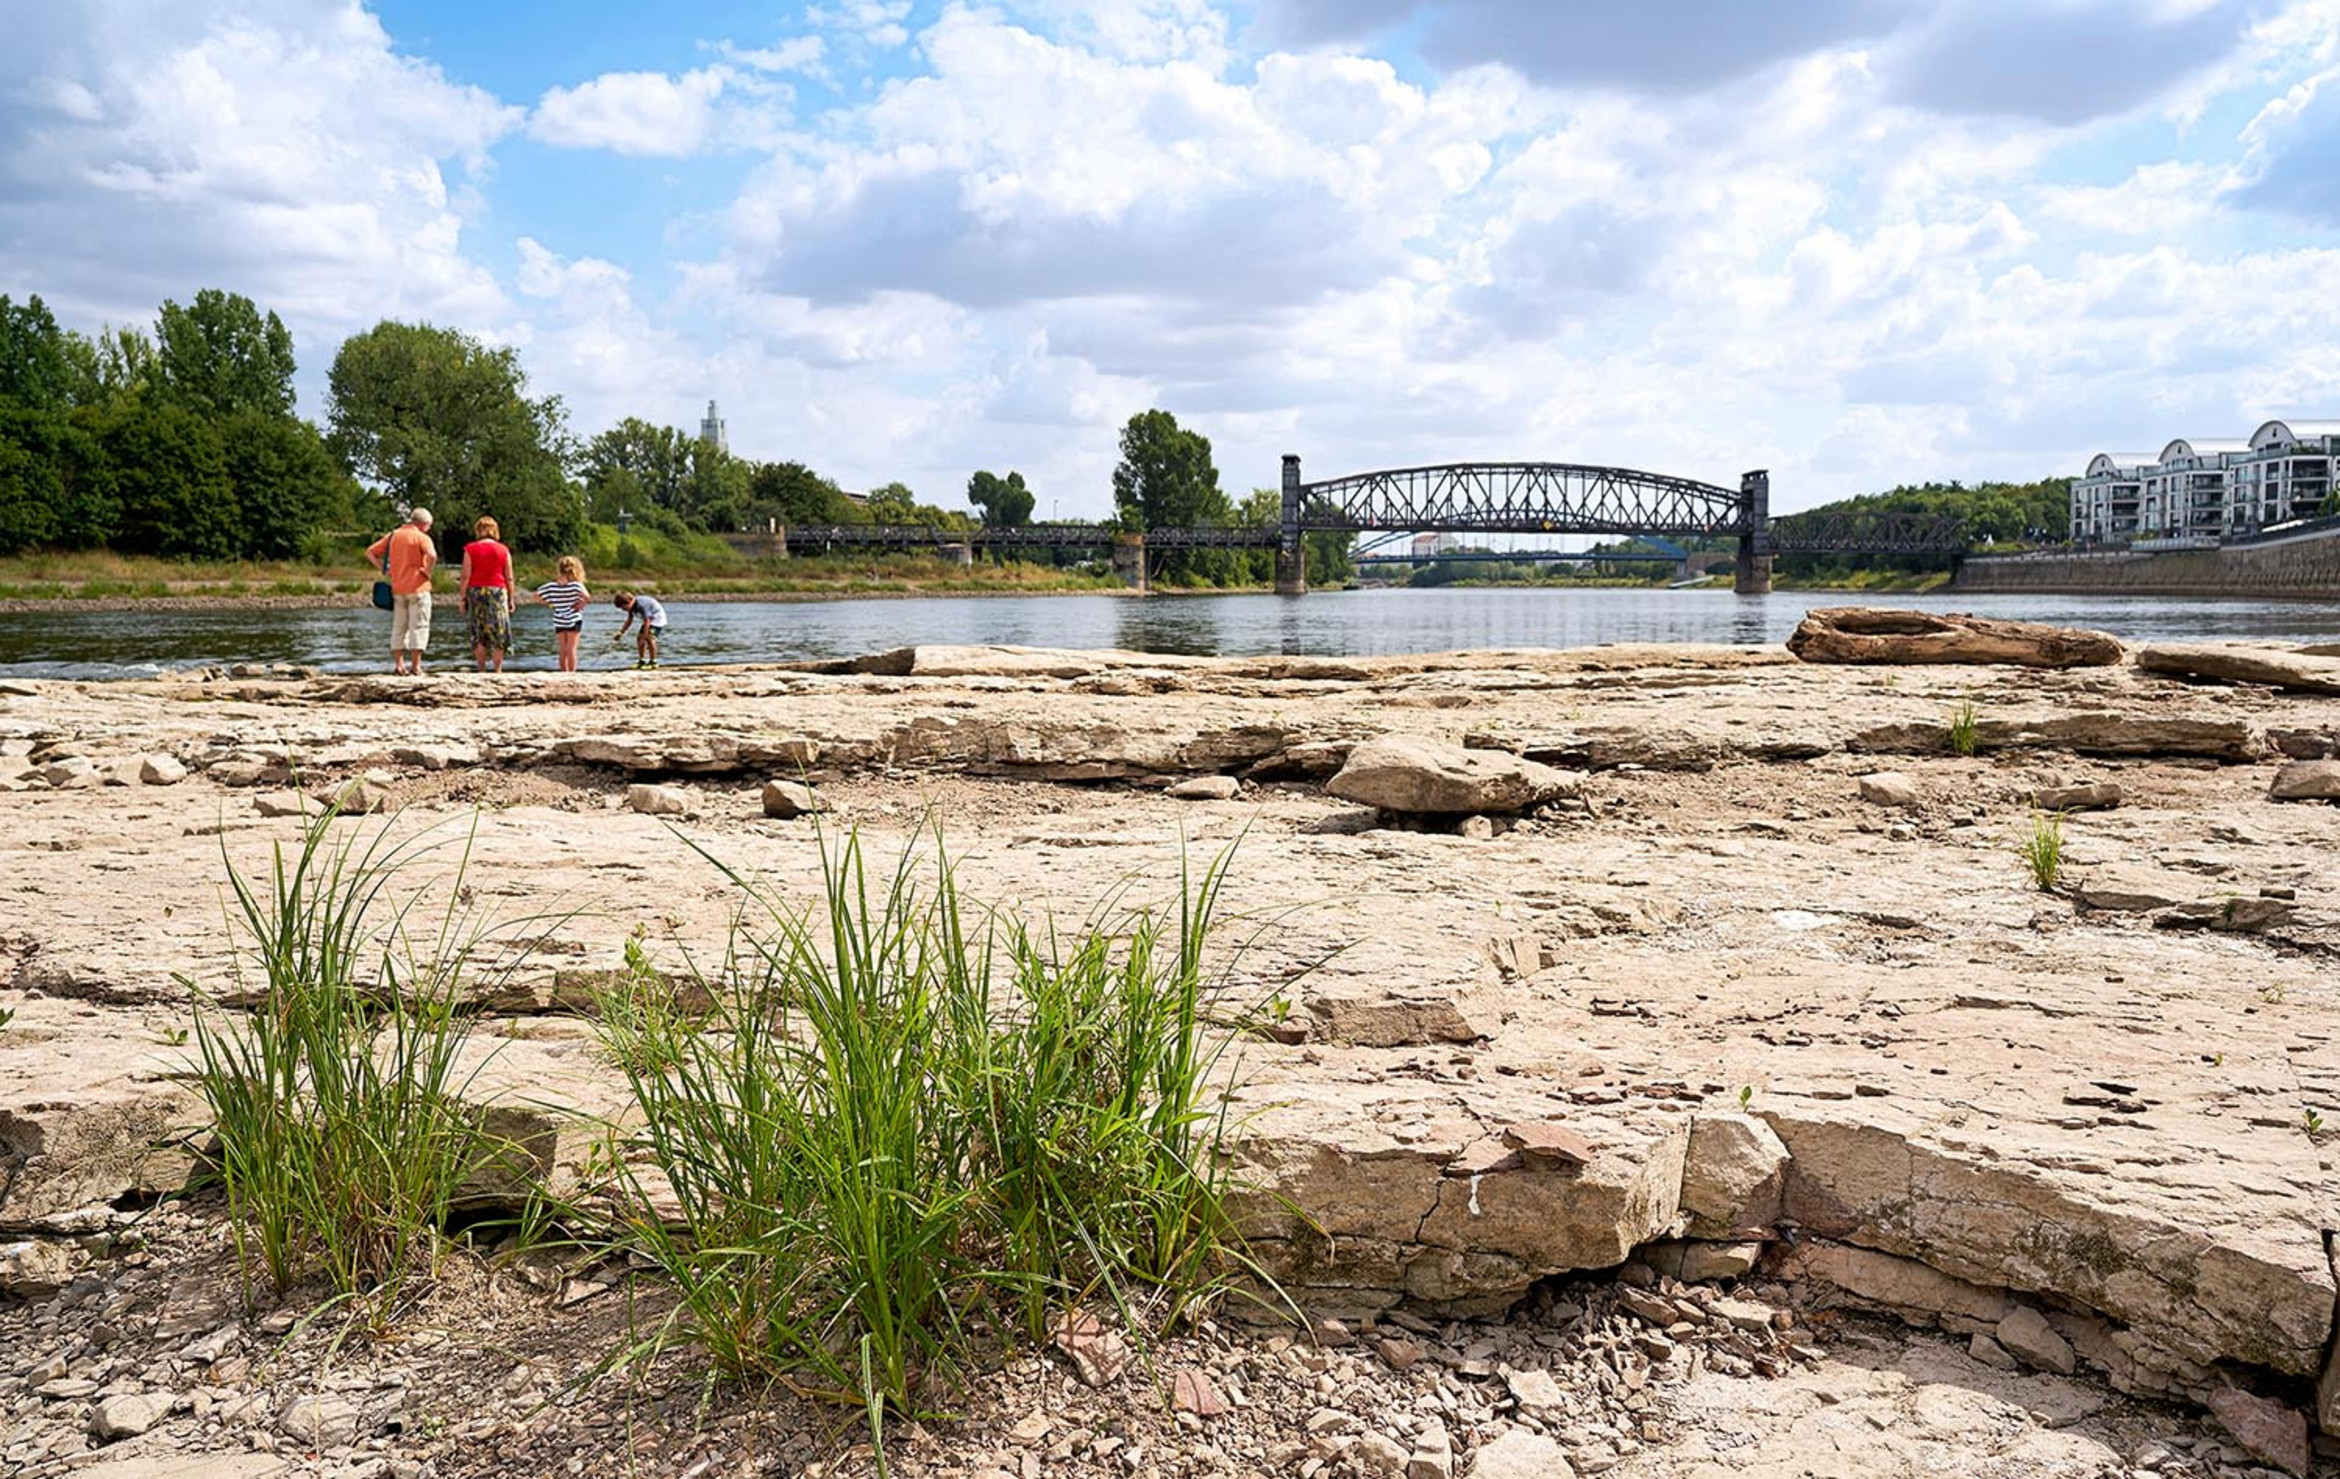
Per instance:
(487,596)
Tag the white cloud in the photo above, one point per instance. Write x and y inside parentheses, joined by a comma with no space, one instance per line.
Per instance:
(288,151)
(1796,250)
(654,114)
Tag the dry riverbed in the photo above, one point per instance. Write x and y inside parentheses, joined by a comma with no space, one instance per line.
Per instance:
(1909,1165)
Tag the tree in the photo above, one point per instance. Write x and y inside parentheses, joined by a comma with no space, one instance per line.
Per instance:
(114,364)
(1004,502)
(170,474)
(221,356)
(792,495)
(1165,479)
(287,483)
(33,372)
(430,416)
(633,463)
(715,491)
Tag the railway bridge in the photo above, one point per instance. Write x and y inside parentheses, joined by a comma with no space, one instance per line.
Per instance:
(1468,498)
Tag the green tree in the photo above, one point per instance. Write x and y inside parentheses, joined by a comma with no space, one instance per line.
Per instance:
(114,364)
(1004,502)
(633,464)
(33,373)
(221,356)
(715,490)
(286,482)
(1166,480)
(430,416)
(170,475)
(793,495)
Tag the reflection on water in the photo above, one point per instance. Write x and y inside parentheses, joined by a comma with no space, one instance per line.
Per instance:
(98,644)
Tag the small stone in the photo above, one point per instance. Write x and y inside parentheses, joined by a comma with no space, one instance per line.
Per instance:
(1205,788)
(286,804)
(1889,788)
(1398,1352)
(788,800)
(1744,1314)
(1517,1453)
(1031,1429)
(1433,1455)
(1534,1391)
(2093,796)
(35,1268)
(2267,1430)
(161,770)
(363,797)
(1706,1262)
(1544,1144)
(319,1422)
(1378,1453)
(1329,1420)
(2306,780)
(1191,1390)
(1990,1353)
(1476,828)
(1098,1353)
(658,801)
(126,1415)
(2029,1337)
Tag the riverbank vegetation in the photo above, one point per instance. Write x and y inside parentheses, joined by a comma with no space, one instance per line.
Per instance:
(902,1136)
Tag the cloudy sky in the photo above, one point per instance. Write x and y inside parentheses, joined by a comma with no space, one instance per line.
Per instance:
(1856,241)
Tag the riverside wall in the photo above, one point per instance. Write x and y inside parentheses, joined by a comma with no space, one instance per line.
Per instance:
(2304,565)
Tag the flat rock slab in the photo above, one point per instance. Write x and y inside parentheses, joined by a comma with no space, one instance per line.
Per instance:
(2096,1115)
(2293,671)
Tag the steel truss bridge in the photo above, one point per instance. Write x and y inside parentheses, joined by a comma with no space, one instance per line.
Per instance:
(1473,498)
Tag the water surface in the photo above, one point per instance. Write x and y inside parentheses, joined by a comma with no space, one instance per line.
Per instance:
(116,644)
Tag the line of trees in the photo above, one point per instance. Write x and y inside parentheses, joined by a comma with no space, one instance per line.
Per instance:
(1996,515)
(184,442)
(179,443)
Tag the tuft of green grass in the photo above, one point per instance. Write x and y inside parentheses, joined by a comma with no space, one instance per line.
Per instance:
(2043,850)
(640,1020)
(336,1103)
(924,1127)
(1964,731)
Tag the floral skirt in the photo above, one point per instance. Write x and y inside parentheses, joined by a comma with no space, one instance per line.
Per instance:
(487,612)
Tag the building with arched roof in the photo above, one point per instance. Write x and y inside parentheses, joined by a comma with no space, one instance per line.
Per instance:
(2108,501)
(2206,488)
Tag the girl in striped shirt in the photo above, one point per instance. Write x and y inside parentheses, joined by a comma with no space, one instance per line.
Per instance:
(565,594)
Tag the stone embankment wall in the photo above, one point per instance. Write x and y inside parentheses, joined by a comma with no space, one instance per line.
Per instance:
(2308,565)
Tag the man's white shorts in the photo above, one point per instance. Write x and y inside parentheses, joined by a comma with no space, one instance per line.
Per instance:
(410,622)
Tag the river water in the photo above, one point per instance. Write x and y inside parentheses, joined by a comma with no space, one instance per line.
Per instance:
(121,644)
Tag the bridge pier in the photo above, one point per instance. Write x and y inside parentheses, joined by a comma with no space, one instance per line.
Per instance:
(1291,554)
(1292,571)
(1129,560)
(1751,576)
(960,554)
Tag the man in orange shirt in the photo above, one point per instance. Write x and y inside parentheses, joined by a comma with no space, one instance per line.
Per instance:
(409,555)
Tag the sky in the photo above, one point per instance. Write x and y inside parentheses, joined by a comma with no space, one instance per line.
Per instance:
(1856,242)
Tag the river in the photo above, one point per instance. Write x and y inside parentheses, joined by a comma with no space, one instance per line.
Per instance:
(122,644)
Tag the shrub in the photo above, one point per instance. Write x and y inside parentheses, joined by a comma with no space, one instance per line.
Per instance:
(923,1127)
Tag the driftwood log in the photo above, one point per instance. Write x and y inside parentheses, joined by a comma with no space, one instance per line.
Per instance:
(1878,634)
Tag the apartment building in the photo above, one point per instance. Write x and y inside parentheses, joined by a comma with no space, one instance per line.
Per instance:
(2204,489)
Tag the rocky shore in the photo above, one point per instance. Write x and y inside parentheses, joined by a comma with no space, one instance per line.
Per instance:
(1669,1063)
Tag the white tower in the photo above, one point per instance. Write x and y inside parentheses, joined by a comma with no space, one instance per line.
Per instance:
(711,430)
